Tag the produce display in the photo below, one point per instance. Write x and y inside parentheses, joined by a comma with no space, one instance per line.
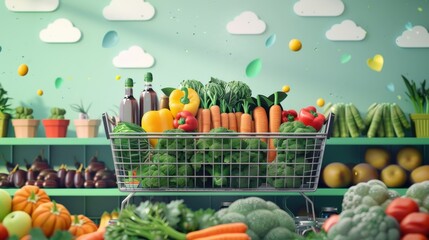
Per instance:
(381,120)
(403,168)
(41,174)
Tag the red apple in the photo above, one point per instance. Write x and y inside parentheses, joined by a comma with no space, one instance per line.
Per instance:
(4,234)
(17,223)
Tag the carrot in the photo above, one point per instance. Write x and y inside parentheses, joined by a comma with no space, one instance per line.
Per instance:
(227,236)
(206,123)
(261,119)
(232,121)
(200,119)
(245,119)
(274,125)
(238,119)
(253,125)
(224,119)
(97,235)
(215,115)
(226,228)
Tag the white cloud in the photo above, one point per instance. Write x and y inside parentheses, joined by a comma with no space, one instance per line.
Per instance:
(134,57)
(60,31)
(417,37)
(319,7)
(347,30)
(246,23)
(128,10)
(32,5)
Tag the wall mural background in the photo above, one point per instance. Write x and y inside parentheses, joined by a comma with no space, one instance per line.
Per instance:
(352,51)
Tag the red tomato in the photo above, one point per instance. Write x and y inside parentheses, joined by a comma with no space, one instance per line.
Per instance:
(331,221)
(417,222)
(414,236)
(4,234)
(401,207)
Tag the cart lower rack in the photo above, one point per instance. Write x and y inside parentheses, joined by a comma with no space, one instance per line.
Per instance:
(217,161)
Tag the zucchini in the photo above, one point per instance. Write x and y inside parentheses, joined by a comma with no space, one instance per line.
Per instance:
(396,122)
(350,121)
(387,121)
(376,121)
(357,117)
(401,115)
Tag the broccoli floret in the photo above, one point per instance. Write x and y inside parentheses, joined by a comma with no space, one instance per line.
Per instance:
(420,193)
(263,218)
(371,193)
(220,174)
(364,222)
(179,147)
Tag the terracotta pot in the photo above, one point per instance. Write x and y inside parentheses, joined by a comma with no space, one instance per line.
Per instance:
(25,128)
(87,128)
(55,128)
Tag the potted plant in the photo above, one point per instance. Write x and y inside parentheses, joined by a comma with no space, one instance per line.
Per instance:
(4,112)
(24,124)
(419,96)
(56,125)
(85,127)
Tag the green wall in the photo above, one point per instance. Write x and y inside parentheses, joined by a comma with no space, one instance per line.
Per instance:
(188,40)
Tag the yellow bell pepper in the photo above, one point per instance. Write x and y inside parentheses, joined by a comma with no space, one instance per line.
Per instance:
(184,99)
(157,121)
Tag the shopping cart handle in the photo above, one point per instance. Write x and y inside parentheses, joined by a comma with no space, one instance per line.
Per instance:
(329,124)
(107,124)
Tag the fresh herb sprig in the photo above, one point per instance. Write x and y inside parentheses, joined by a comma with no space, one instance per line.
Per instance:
(419,96)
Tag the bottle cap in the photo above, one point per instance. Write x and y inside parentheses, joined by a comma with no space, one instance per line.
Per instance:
(148,77)
(129,82)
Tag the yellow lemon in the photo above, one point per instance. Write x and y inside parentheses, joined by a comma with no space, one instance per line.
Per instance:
(286,88)
(22,69)
(118,77)
(295,45)
(320,102)
(40,92)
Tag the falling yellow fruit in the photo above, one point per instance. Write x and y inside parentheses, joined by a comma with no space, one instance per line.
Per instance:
(22,69)
(40,92)
(295,45)
(320,102)
(286,88)
(118,77)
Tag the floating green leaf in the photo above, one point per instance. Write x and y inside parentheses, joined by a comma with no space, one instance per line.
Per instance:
(58,82)
(253,68)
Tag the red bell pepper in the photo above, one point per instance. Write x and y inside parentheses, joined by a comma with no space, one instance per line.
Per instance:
(310,117)
(186,121)
(289,115)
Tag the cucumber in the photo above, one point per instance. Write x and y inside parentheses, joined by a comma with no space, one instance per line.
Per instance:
(350,121)
(342,120)
(357,117)
(370,114)
(327,109)
(401,115)
(376,121)
(380,129)
(396,122)
(387,121)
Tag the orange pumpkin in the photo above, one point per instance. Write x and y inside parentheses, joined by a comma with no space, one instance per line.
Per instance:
(28,198)
(50,217)
(80,224)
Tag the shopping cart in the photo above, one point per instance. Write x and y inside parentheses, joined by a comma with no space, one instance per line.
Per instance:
(217,161)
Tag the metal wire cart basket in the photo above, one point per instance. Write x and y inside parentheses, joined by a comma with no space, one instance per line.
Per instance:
(217,161)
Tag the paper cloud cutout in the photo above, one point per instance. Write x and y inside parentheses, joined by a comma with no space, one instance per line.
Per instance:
(32,5)
(246,23)
(134,57)
(60,31)
(417,37)
(126,10)
(319,7)
(347,30)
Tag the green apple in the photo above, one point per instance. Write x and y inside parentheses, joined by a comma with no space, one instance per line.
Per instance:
(5,203)
(17,223)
